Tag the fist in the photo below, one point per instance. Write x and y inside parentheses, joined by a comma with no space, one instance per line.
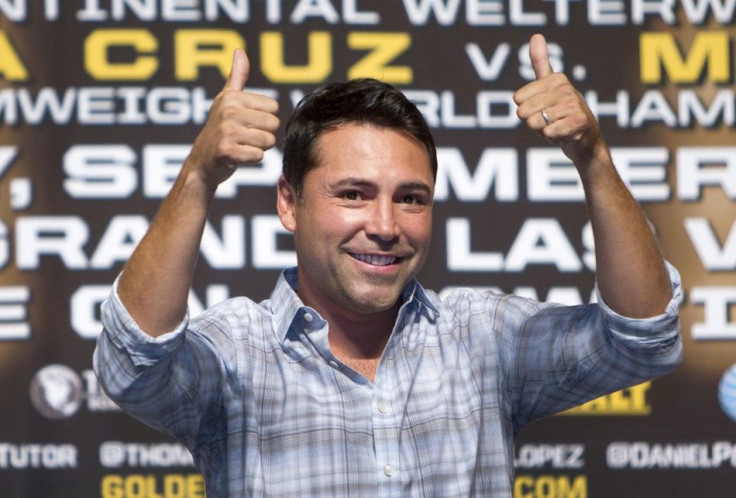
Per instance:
(241,126)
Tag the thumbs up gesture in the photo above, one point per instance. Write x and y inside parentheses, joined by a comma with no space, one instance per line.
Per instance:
(551,106)
(241,126)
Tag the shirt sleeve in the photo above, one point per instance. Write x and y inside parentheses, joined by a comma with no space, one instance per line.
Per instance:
(566,355)
(170,382)
(645,332)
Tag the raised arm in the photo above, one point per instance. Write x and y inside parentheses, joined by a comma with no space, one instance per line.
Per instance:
(631,274)
(155,282)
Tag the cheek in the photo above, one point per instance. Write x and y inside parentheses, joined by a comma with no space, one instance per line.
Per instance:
(419,229)
(333,224)
(344,221)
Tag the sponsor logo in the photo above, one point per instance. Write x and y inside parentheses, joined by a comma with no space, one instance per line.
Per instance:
(727,392)
(166,486)
(56,391)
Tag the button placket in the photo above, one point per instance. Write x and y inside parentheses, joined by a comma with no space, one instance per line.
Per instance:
(386,432)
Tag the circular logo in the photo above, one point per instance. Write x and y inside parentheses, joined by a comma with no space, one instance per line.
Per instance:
(727,392)
(56,391)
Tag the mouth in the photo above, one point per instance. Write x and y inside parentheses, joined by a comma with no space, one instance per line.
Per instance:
(376,260)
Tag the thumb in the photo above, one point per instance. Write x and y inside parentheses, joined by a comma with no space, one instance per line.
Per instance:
(238,71)
(539,56)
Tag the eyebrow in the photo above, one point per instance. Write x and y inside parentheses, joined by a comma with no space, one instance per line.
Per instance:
(417,186)
(352,181)
(360,182)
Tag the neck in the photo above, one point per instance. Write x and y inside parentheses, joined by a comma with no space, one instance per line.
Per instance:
(356,336)
(359,341)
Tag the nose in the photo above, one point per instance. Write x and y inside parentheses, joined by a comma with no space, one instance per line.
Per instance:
(382,222)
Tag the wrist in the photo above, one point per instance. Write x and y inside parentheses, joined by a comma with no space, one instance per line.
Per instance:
(597,161)
(194,181)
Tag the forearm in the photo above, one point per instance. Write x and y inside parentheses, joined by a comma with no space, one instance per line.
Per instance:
(630,270)
(632,278)
(156,280)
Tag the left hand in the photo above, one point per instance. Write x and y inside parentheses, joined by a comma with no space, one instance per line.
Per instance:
(571,123)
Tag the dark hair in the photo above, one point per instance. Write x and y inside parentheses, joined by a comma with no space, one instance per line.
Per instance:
(364,101)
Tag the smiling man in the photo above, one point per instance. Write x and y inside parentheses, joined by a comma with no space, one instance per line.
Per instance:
(362,223)
(352,379)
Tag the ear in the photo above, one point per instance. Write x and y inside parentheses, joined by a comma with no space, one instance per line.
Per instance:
(286,200)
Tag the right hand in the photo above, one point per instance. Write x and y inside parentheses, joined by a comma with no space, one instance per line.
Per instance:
(572,125)
(241,126)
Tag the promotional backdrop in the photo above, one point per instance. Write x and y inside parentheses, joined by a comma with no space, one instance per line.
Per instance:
(101,99)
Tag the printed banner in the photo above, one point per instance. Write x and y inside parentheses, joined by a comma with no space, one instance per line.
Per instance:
(100,101)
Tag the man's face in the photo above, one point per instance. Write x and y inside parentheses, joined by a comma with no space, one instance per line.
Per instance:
(364,222)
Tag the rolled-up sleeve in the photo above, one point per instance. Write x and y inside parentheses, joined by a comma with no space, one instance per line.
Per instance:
(167,382)
(657,331)
(121,337)
(566,355)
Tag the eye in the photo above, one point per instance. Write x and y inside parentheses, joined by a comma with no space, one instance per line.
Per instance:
(350,195)
(412,199)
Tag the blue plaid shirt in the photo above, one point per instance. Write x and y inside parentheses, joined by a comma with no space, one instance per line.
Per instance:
(266,409)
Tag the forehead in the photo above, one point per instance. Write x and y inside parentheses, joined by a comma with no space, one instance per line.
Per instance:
(370,148)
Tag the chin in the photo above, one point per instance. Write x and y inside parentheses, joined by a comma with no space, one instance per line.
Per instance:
(368,305)
(368,298)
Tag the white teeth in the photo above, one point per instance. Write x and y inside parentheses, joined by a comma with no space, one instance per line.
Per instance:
(375,260)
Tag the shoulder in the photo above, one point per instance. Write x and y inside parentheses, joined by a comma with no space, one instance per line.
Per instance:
(473,300)
(235,318)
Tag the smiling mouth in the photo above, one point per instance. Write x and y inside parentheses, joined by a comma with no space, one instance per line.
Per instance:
(376,260)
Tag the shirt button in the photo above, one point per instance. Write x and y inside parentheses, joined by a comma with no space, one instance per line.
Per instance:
(382,407)
(308,317)
(388,470)
(333,364)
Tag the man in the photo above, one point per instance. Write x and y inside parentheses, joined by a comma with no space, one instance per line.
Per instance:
(353,380)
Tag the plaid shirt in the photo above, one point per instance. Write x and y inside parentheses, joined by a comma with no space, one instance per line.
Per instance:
(266,409)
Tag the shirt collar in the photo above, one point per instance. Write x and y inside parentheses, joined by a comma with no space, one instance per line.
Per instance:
(288,307)
(285,304)
(415,295)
